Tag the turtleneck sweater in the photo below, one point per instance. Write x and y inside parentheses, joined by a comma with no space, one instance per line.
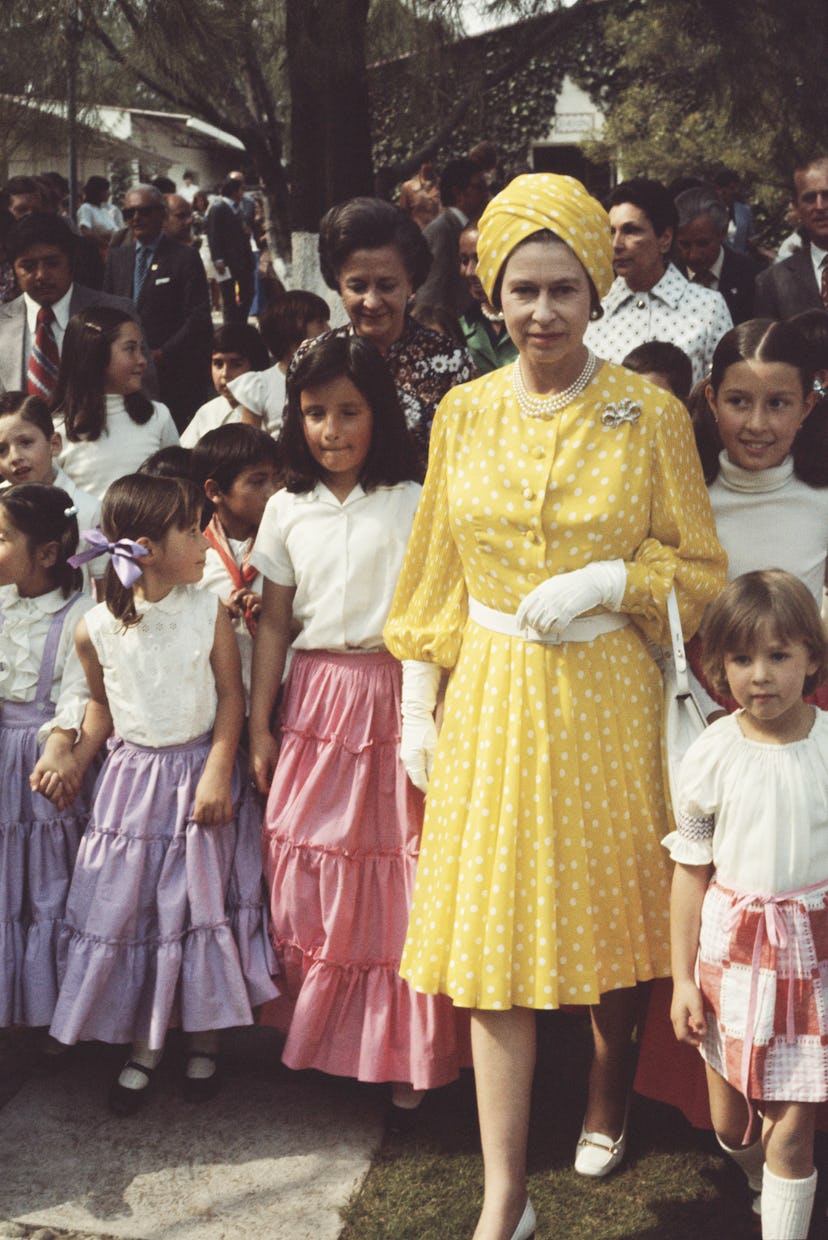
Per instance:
(769,518)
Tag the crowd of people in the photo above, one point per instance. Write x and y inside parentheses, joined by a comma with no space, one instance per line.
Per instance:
(330,660)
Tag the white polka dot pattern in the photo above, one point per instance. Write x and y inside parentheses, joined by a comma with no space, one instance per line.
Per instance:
(541,879)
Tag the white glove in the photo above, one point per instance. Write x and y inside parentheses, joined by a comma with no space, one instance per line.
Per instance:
(420,683)
(552,605)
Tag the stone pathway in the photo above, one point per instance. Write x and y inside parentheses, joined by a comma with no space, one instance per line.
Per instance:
(275,1156)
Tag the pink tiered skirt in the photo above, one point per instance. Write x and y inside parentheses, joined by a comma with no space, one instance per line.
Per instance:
(341,840)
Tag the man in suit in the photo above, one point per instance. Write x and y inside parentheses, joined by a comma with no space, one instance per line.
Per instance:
(707,259)
(230,251)
(464,194)
(801,281)
(166,281)
(42,249)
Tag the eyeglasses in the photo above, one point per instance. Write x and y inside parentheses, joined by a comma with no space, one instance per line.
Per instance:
(143,212)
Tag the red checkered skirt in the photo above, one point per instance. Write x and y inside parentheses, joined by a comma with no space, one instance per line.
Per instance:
(763,971)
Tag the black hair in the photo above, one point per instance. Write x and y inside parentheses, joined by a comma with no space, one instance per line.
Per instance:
(96,190)
(17,186)
(284,322)
(767,340)
(44,515)
(164,185)
(30,408)
(223,453)
(230,187)
(812,326)
(40,228)
(392,457)
(369,224)
(455,176)
(649,196)
(665,358)
(174,461)
(80,395)
(244,339)
(143,506)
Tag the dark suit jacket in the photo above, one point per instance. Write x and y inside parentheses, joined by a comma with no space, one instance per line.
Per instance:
(174,309)
(787,288)
(13,330)
(227,238)
(444,285)
(736,283)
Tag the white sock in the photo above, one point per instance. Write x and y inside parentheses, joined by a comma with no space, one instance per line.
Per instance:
(787,1206)
(201,1047)
(748,1158)
(139,1052)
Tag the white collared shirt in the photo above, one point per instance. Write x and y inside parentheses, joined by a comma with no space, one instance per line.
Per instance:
(715,271)
(818,257)
(344,560)
(60,309)
(687,315)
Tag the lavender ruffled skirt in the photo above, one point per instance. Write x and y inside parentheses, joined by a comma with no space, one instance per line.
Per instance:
(38,845)
(165,921)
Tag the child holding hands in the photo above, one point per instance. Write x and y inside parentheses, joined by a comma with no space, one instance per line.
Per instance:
(749,915)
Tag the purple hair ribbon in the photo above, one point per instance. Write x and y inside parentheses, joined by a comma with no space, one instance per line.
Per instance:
(125,555)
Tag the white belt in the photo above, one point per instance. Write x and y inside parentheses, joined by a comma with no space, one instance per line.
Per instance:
(584,629)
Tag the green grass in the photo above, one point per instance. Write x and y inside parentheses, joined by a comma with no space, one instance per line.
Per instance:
(674,1185)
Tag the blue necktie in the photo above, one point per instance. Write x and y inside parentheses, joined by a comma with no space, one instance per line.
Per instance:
(143,258)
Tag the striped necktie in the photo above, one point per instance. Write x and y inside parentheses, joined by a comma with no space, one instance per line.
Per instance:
(142,261)
(44,359)
(823,288)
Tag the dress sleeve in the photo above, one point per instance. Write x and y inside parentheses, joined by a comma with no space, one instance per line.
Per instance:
(430,604)
(682,548)
(692,841)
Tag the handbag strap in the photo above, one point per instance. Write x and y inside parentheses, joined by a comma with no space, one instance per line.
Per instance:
(677,639)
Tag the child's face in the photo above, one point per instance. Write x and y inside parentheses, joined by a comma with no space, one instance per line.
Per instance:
(768,680)
(180,556)
(241,508)
(26,455)
(338,423)
(225,368)
(17,564)
(759,407)
(127,362)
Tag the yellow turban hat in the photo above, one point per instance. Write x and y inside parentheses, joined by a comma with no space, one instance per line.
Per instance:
(543,200)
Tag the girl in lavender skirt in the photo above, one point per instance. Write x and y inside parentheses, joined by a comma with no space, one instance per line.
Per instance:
(40,604)
(164,921)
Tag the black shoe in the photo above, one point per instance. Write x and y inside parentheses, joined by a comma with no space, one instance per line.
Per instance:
(201,1088)
(124,1101)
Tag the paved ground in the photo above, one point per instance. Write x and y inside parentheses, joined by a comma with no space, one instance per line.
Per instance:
(275,1156)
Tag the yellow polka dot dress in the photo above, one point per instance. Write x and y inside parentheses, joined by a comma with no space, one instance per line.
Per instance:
(541,879)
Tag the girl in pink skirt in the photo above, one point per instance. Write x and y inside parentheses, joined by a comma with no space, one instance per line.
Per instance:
(342,825)
(40,604)
(164,921)
(750,890)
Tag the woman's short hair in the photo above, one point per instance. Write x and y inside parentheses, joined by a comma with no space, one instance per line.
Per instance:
(733,622)
(368,224)
(649,196)
(95,190)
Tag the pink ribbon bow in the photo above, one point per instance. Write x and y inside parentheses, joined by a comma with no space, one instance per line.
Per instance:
(125,555)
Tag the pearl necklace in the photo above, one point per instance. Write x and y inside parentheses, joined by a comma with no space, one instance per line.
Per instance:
(492,315)
(546,406)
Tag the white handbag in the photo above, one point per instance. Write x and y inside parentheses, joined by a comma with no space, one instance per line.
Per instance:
(684,720)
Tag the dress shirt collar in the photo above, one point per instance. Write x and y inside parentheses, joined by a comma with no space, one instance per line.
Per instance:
(670,289)
(818,256)
(464,219)
(321,495)
(60,309)
(715,270)
(48,603)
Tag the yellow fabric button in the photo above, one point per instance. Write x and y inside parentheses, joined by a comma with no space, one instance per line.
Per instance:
(528,494)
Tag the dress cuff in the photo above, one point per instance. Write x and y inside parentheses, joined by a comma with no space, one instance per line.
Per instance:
(688,852)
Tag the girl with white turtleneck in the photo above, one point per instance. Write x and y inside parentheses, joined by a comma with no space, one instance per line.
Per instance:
(108,426)
(763,442)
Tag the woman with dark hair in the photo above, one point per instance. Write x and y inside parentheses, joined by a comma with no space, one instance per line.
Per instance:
(563,501)
(375,257)
(97,216)
(109,427)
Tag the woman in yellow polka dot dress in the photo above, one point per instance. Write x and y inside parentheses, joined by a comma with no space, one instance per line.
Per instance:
(564,498)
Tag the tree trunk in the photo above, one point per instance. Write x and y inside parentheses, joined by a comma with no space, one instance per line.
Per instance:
(330,119)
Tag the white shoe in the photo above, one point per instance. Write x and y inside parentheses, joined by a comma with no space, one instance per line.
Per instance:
(525,1229)
(597,1155)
